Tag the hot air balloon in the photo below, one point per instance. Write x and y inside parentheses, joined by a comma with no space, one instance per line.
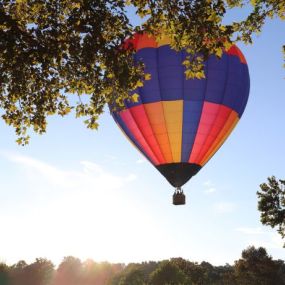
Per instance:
(178,124)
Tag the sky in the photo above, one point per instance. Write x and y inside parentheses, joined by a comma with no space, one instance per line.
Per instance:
(91,194)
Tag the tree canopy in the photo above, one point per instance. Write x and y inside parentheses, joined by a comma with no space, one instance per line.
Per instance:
(58,56)
(254,267)
(168,273)
(257,267)
(271,204)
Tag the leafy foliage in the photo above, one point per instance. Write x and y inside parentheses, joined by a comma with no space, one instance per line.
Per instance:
(40,272)
(50,49)
(254,267)
(4,274)
(69,271)
(257,267)
(271,204)
(58,55)
(134,276)
(98,273)
(168,273)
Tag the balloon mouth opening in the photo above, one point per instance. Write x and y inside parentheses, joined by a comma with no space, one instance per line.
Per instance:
(177,174)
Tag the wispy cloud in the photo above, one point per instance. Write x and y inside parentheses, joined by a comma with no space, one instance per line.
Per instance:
(210,190)
(208,183)
(141,160)
(224,207)
(272,241)
(110,157)
(250,231)
(261,237)
(88,213)
(89,176)
(209,187)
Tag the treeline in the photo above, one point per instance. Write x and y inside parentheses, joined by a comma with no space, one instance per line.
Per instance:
(253,268)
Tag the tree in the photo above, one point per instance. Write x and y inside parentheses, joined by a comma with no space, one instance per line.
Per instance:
(134,273)
(99,273)
(49,49)
(69,272)
(134,277)
(271,204)
(205,273)
(58,56)
(40,272)
(4,274)
(168,273)
(257,267)
(17,272)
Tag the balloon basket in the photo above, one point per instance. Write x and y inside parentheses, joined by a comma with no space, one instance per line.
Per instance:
(178,197)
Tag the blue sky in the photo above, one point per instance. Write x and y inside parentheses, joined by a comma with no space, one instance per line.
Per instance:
(90,194)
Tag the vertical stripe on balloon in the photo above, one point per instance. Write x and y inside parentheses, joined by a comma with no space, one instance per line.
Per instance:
(217,125)
(224,133)
(191,118)
(173,113)
(140,117)
(128,134)
(155,113)
(208,117)
(137,134)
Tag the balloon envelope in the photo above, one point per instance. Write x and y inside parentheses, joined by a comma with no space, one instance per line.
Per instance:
(178,124)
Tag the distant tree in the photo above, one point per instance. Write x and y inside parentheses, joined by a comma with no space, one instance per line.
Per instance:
(148,268)
(69,272)
(17,272)
(271,204)
(205,273)
(134,277)
(53,52)
(4,274)
(226,275)
(168,273)
(40,272)
(210,274)
(99,273)
(137,272)
(281,271)
(257,267)
(191,269)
